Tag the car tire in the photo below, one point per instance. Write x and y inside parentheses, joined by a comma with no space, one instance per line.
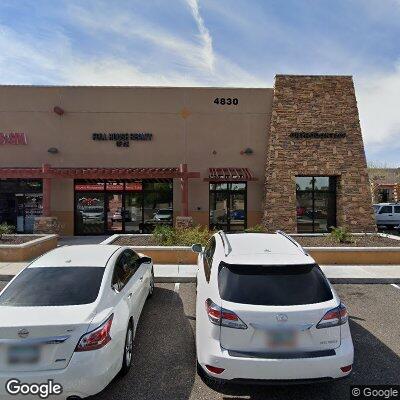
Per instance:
(128,350)
(151,290)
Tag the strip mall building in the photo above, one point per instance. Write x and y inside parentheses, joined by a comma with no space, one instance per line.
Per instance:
(125,159)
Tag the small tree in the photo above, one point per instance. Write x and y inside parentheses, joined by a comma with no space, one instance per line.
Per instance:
(5,229)
(341,235)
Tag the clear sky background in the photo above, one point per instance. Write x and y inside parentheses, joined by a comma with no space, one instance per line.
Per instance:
(213,43)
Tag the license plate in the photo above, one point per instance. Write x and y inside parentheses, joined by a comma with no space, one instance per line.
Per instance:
(23,354)
(284,338)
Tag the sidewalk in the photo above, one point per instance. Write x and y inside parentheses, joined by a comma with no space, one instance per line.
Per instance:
(187,273)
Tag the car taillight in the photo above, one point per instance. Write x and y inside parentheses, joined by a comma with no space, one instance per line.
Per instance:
(223,317)
(97,338)
(347,368)
(335,317)
(215,370)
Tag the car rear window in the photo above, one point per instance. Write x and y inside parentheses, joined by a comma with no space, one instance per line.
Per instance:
(53,286)
(280,285)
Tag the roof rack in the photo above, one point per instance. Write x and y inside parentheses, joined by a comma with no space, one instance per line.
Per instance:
(278,232)
(225,242)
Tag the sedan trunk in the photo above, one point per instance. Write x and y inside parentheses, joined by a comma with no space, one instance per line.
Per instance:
(37,339)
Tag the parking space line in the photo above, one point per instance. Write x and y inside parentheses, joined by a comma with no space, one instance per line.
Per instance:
(396,286)
(176,288)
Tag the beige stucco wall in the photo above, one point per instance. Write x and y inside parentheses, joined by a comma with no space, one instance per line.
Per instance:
(187,127)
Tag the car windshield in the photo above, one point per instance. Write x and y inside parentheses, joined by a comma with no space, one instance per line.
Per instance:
(279,285)
(53,286)
(164,212)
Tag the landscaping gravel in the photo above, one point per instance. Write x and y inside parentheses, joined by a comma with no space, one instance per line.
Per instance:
(6,239)
(358,241)
(135,241)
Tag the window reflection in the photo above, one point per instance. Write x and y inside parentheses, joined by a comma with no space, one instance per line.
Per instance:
(316,203)
(228,206)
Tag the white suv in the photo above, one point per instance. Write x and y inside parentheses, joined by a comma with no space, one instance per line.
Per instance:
(266,312)
(387,214)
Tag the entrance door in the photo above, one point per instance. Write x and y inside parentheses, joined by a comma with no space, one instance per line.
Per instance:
(133,212)
(228,208)
(8,209)
(116,214)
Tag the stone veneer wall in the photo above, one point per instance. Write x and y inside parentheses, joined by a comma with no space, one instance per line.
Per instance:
(316,104)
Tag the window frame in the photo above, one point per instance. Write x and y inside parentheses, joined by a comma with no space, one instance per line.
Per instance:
(389,212)
(228,191)
(125,253)
(331,191)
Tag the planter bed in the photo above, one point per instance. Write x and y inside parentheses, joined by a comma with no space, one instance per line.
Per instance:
(18,239)
(367,249)
(15,248)
(360,240)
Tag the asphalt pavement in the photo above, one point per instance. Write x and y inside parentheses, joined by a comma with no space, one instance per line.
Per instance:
(164,363)
(164,358)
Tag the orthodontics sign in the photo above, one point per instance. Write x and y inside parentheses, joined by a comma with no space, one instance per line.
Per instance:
(13,138)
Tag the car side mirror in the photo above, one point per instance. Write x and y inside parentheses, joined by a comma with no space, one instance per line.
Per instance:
(197,248)
(145,260)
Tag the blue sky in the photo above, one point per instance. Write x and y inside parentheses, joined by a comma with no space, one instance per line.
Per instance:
(213,43)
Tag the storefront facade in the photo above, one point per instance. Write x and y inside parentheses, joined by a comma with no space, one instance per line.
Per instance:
(125,159)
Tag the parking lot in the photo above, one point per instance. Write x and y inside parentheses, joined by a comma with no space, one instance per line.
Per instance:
(164,364)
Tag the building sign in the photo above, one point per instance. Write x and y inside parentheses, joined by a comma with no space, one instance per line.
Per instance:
(114,186)
(133,186)
(14,138)
(90,187)
(318,135)
(122,139)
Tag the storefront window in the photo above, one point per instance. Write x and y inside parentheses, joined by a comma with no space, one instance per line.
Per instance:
(20,203)
(316,203)
(122,206)
(228,209)
(157,205)
(89,213)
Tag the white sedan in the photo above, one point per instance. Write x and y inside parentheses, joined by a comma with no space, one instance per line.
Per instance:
(71,317)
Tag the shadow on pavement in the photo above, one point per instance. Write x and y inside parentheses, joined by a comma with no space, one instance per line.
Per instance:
(164,354)
(164,362)
(375,363)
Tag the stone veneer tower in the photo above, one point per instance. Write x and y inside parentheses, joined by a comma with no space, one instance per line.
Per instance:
(316,104)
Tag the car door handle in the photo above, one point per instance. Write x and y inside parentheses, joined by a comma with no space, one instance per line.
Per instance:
(141,278)
(129,295)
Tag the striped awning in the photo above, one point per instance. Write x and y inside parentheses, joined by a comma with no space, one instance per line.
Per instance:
(231,174)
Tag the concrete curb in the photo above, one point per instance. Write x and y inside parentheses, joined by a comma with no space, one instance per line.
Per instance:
(364,281)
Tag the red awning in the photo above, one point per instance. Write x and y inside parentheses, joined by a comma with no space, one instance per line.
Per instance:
(96,173)
(229,175)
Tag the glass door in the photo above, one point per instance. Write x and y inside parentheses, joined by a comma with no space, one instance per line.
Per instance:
(228,206)
(115,212)
(133,212)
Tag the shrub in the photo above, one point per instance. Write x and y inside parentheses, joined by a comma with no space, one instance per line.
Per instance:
(169,236)
(256,229)
(5,229)
(341,235)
